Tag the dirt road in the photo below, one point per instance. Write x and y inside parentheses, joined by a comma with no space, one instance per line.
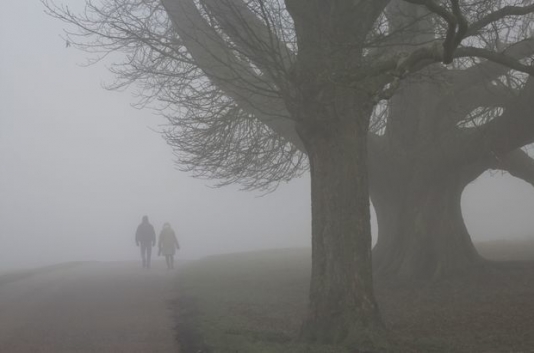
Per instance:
(88,307)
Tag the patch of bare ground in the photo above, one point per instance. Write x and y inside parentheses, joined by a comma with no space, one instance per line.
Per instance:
(488,309)
(248,303)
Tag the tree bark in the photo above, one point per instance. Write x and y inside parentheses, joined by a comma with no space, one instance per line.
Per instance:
(342,307)
(422,234)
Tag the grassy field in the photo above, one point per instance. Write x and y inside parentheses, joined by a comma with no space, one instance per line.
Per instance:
(254,303)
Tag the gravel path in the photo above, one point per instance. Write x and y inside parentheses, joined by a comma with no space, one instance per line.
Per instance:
(89,307)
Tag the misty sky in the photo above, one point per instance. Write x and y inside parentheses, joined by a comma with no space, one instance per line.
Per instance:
(79,167)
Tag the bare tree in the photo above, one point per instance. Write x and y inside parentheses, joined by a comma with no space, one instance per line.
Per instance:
(249,86)
(441,131)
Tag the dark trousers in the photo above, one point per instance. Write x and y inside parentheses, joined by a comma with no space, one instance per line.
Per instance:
(146,252)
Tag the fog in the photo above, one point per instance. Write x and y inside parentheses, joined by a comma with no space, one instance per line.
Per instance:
(79,167)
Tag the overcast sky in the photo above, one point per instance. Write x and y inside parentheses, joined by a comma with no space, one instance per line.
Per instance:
(79,167)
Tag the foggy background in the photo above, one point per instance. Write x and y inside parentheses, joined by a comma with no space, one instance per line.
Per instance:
(79,167)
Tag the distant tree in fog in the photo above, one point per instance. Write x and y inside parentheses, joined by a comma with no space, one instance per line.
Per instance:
(441,130)
(249,87)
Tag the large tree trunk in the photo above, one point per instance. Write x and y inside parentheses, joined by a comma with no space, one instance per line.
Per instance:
(422,233)
(342,307)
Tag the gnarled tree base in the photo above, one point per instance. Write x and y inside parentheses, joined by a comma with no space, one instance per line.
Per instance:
(422,234)
(358,336)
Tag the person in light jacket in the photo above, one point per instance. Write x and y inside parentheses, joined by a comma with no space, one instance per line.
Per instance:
(168,244)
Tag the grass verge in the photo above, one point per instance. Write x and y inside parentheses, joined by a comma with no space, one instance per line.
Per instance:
(255,302)
(250,302)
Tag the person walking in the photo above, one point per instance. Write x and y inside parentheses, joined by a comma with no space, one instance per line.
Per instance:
(168,244)
(145,237)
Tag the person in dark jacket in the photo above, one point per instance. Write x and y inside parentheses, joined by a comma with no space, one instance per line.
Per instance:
(145,237)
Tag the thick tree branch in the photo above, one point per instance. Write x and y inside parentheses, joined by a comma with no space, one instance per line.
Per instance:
(519,164)
(458,29)
(328,30)
(457,25)
(490,70)
(495,16)
(487,94)
(409,26)
(399,67)
(498,58)
(511,130)
(479,86)
(234,77)
(434,7)
(254,37)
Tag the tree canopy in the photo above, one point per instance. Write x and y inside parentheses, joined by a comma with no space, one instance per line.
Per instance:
(222,72)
